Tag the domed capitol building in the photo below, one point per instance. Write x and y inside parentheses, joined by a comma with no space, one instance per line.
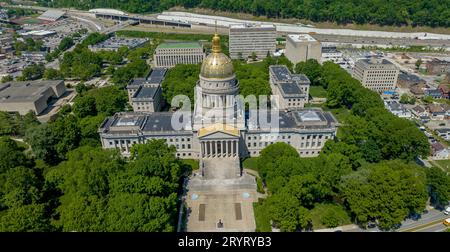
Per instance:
(219,134)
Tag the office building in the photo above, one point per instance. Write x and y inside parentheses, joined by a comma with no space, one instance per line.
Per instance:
(25,96)
(301,47)
(292,90)
(171,54)
(245,39)
(376,74)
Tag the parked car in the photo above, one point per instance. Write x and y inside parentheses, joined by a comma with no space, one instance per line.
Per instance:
(447,210)
(371,224)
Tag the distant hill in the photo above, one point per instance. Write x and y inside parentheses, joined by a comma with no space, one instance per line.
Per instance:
(434,13)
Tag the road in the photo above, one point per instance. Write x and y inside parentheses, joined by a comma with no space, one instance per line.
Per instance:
(292,28)
(430,222)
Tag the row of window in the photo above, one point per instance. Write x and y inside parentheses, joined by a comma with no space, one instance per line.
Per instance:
(262,144)
(301,153)
(267,137)
(170,140)
(294,104)
(184,154)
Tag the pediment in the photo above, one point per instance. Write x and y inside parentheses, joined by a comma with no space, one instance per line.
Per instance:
(218,135)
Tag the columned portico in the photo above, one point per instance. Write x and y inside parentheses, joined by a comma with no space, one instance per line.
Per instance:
(219,148)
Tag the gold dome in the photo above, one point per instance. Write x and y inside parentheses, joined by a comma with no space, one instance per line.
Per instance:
(217,65)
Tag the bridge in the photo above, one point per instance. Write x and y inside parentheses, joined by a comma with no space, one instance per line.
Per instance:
(118,26)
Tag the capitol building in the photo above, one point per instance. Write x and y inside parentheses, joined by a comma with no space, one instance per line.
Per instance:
(220,133)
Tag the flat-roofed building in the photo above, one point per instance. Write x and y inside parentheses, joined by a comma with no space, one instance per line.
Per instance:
(292,89)
(25,96)
(302,47)
(147,99)
(145,94)
(171,54)
(52,15)
(437,66)
(376,74)
(245,39)
(114,43)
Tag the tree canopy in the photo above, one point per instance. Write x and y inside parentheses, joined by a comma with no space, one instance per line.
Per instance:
(422,12)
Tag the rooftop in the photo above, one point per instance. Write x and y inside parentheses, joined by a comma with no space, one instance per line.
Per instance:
(394,106)
(329,49)
(127,122)
(409,77)
(117,42)
(22,91)
(179,45)
(157,75)
(242,26)
(376,61)
(443,130)
(304,118)
(52,15)
(145,92)
(301,38)
(290,88)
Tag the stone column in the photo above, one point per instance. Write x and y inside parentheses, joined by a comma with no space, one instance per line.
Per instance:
(210,148)
(202,149)
(227,143)
(215,148)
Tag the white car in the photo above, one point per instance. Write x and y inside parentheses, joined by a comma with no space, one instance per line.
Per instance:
(447,210)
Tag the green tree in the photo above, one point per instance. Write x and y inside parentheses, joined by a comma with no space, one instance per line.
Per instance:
(439,183)
(89,126)
(7,78)
(29,218)
(85,106)
(180,79)
(427,99)
(286,212)
(312,69)
(137,212)
(21,187)
(418,63)
(386,192)
(65,44)
(330,215)
(52,74)
(83,181)
(32,72)
(11,155)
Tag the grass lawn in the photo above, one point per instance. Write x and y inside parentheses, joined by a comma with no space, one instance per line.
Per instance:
(444,163)
(250,163)
(261,217)
(317,91)
(192,163)
(340,113)
(320,211)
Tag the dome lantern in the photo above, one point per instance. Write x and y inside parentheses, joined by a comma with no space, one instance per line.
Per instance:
(217,65)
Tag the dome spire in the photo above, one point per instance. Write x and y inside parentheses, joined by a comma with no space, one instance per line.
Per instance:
(216,42)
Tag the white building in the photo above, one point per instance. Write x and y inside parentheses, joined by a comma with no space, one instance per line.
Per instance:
(145,94)
(376,74)
(247,39)
(330,53)
(171,54)
(444,133)
(218,134)
(397,109)
(301,47)
(292,90)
